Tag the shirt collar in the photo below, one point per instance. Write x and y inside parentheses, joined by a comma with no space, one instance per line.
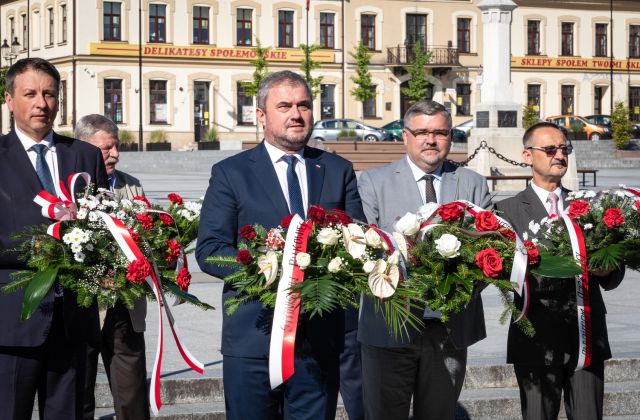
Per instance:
(543,194)
(419,173)
(28,142)
(276,154)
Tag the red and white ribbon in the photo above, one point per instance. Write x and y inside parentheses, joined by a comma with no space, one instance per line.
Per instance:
(132,252)
(633,191)
(583,306)
(287,308)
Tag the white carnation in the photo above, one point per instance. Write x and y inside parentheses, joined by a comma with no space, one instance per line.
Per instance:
(534,227)
(587,226)
(525,236)
(194,206)
(589,194)
(448,245)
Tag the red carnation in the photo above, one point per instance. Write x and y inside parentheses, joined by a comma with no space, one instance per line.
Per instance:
(145,220)
(175,199)
(143,199)
(134,235)
(488,260)
(244,257)
(166,219)
(578,208)
(172,252)
(138,271)
(316,214)
(248,232)
(337,216)
(533,255)
(486,221)
(613,217)
(286,221)
(451,211)
(183,279)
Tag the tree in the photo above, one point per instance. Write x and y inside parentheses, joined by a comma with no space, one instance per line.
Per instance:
(418,85)
(308,65)
(529,116)
(260,65)
(363,91)
(621,126)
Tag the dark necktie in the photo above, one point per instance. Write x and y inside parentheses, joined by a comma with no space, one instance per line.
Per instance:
(42,169)
(429,191)
(295,196)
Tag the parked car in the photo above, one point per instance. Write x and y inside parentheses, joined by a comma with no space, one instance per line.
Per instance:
(333,130)
(395,128)
(465,126)
(605,121)
(577,125)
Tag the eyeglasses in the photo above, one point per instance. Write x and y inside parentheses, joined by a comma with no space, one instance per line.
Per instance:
(552,150)
(421,135)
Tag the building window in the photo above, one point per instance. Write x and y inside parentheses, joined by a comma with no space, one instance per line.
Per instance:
(634,103)
(157,23)
(601,40)
(533,97)
(463,99)
(62,97)
(368,31)
(111,21)
(327,30)
(416,30)
(51,25)
(200,25)
(63,29)
(158,101)
(113,100)
(598,94)
(369,106)
(634,41)
(25,33)
(567,100)
(533,37)
(327,101)
(35,30)
(245,106)
(285,28)
(464,35)
(567,38)
(244,27)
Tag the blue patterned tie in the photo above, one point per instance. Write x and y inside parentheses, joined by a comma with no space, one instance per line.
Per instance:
(42,169)
(295,196)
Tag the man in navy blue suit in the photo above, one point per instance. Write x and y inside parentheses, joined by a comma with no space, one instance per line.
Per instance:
(45,353)
(256,186)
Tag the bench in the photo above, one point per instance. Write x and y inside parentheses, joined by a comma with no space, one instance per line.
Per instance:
(584,173)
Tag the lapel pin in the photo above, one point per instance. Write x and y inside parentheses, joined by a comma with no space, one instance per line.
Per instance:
(318,166)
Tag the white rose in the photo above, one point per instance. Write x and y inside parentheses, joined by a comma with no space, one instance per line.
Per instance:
(393,258)
(334,265)
(303,260)
(448,245)
(368,266)
(408,224)
(373,239)
(328,236)
(424,212)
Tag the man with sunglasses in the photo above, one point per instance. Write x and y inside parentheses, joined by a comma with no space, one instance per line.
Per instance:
(545,364)
(428,364)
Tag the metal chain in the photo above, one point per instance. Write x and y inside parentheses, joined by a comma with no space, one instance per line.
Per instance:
(484,145)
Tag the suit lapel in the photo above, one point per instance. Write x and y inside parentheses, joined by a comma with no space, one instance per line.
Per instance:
(448,184)
(315,176)
(406,182)
(265,175)
(532,205)
(18,159)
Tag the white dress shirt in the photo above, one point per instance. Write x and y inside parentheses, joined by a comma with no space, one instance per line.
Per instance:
(50,153)
(543,195)
(281,167)
(418,175)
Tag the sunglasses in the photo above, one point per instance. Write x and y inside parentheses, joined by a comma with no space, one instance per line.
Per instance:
(552,150)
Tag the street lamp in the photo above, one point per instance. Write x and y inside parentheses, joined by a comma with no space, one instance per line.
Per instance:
(9,53)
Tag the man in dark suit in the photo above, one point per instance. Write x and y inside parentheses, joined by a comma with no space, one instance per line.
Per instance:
(262,185)
(45,353)
(428,364)
(545,364)
(122,335)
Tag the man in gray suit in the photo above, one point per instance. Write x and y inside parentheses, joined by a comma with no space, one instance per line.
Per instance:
(121,340)
(545,365)
(428,364)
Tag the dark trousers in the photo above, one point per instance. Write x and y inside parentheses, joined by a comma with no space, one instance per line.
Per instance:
(55,370)
(430,370)
(123,355)
(311,393)
(541,390)
(351,376)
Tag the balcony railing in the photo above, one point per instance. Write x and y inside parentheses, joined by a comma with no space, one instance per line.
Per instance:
(403,55)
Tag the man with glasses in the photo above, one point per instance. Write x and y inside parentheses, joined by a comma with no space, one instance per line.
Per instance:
(545,364)
(428,364)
